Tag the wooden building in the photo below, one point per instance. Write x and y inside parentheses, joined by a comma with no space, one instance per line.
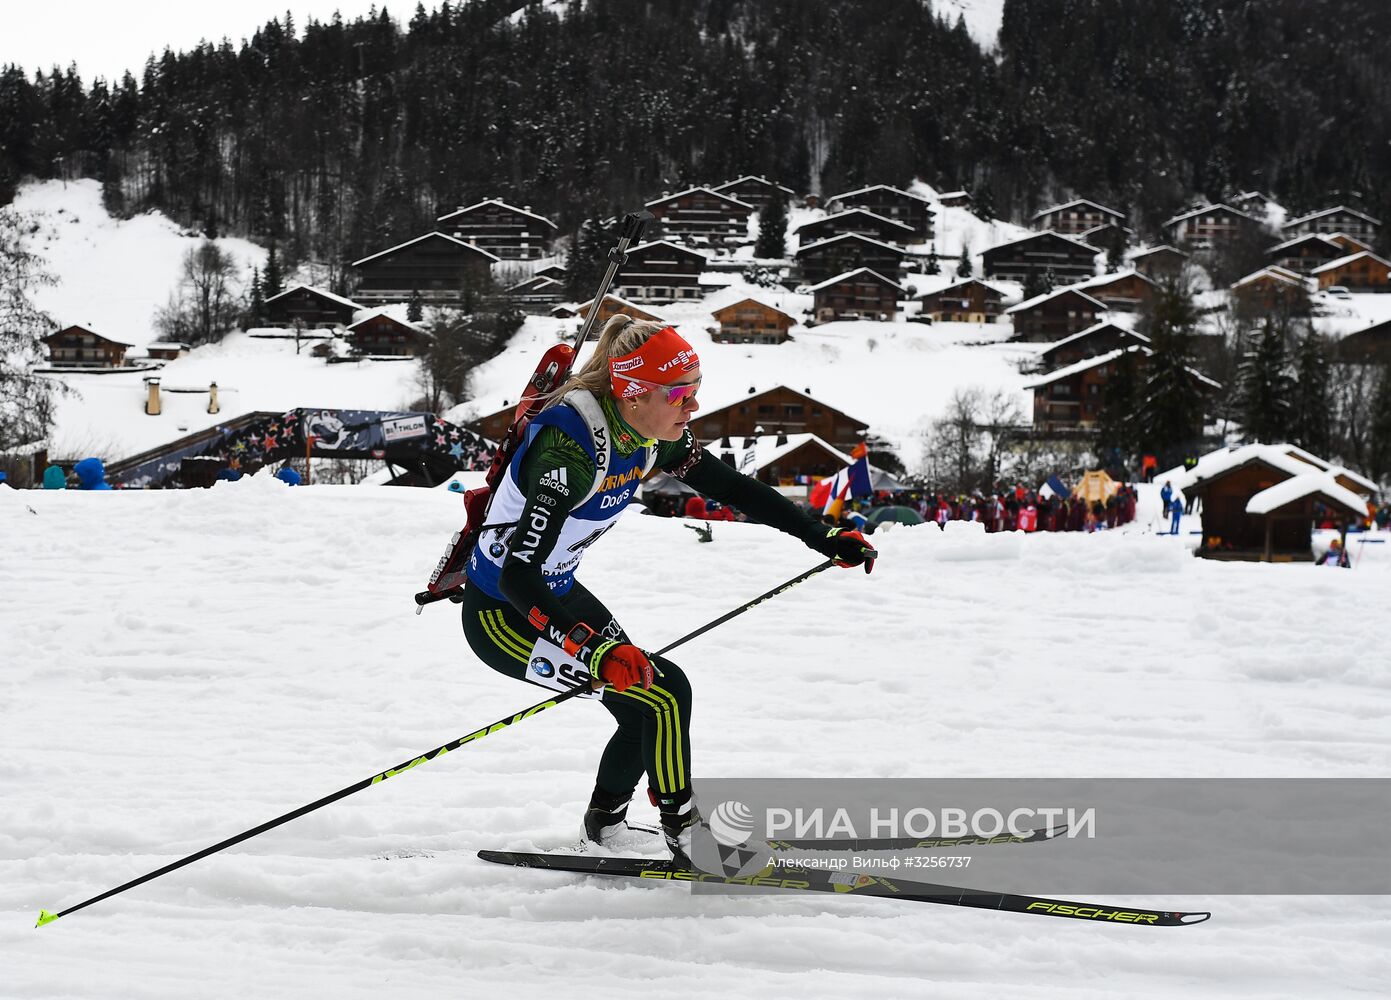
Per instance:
(1159,262)
(1253,203)
(1270,289)
(315,309)
(1124,291)
(1095,340)
(503,230)
(1260,502)
(858,294)
(749,321)
(1342,219)
(77,346)
(1359,272)
(612,306)
(537,294)
(1074,218)
(1070,398)
(1054,315)
(1068,258)
(891,203)
(438,266)
(969,301)
(755,191)
(856,220)
(1205,227)
(660,272)
(1350,244)
(699,215)
(955,199)
(384,336)
(787,459)
(1370,346)
(1304,253)
(166,350)
(839,254)
(778,410)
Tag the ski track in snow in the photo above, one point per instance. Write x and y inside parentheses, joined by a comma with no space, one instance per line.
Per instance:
(181,666)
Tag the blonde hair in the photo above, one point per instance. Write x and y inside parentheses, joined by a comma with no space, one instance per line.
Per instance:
(621,335)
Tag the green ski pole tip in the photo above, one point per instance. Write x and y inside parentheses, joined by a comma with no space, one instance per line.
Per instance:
(46,918)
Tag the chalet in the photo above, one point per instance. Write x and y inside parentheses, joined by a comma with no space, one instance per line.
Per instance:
(438,266)
(891,203)
(1068,258)
(1304,253)
(1110,236)
(660,272)
(384,336)
(314,308)
(537,294)
(1370,346)
(701,215)
(554,271)
(77,346)
(856,220)
(779,409)
(1345,220)
(955,199)
(1070,398)
(1251,202)
(969,301)
(1350,244)
(1076,217)
(1205,227)
(1124,291)
(858,294)
(827,258)
(504,230)
(166,350)
(1095,340)
(1271,289)
(1054,315)
(1159,262)
(1260,501)
(612,306)
(749,321)
(1359,272)
(786,459)
(755,191)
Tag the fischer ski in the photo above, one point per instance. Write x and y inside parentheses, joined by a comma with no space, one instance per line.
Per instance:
(801,879)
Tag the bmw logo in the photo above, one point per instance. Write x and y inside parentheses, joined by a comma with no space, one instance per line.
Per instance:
(543,667)
(496,550)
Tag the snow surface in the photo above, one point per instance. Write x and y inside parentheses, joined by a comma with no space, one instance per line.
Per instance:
(226,658)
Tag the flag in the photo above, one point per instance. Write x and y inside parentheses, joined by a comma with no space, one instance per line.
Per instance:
(859,479)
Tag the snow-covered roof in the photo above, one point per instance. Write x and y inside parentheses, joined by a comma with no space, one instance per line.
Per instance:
(1086,364)
(691,190)
(1217,463)
(750,177)
(501,204)
(961,284)
(493,258)
(537,281)
(953,194)
(1106,279)
(855,211)
(168,345)
(850,236)
(385,311)
(1272,273)
(87,329)
(1360,244)
(316,291)
(1301,486)
(1153,250)
(1040,299)
(756,301)
(767,450)
(1093,330)
(1303,238)
(1209,208)
(1047,232)
(624,303)
(878,187)
(1335,471)
(1329,211)
(1343,261)
(754,392)
(1079,201)
(668,243)
(855,274)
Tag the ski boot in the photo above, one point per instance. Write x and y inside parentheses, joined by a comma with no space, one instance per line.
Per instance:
(679,821)
(606,825)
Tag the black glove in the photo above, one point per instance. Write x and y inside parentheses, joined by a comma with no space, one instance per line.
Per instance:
(847,548)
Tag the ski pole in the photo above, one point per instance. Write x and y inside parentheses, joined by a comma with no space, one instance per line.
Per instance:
(46,917)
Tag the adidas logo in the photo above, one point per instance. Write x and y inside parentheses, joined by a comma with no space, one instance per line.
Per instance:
(556,480)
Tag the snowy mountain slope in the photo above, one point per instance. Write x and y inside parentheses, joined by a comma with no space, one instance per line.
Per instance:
(239,660)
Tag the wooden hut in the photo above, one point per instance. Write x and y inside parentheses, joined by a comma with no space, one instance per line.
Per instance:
(755,191)
(1359,272)
(891,203)
(1076,217)
(1159,262)
(856,220)
(438,266)
(1209,225)
(969,301)
(314,308)
(1341,219)
(699,215)
(839,254)
(661,272)
(385,336)
(504,230)
(750,321)
(779,409)
(612,306)
(1066,257)
(77,346)
(1054,315)
(858,294)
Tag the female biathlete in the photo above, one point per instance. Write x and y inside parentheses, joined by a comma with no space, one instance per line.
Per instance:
(527,616)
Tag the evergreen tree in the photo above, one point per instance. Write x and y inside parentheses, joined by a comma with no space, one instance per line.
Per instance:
(772,230)
(273,282)
(586,262)
(1379,426)
(1169,416)
(415,309)
(1033,284)
(1120,398)
(933,267)
(256,304)
(26,400)
(1311,402)
(1264,388)
(963,267)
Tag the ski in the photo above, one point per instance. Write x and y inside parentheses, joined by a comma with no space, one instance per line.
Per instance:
(796,878)
(913,843)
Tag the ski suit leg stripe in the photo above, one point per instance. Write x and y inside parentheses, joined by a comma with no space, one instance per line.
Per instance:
(667,711)
(510,635)
(678,774)
(638,694)
(500,641)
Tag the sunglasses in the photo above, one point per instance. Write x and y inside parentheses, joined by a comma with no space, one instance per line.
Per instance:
(676,395)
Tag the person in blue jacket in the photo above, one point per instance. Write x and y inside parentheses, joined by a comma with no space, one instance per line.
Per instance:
(54,478)
(91,474)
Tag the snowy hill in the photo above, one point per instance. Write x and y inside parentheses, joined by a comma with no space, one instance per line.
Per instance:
(236,661)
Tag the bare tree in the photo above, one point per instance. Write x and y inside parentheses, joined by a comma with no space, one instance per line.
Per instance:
(204,307)
(964,444)
(26,399)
